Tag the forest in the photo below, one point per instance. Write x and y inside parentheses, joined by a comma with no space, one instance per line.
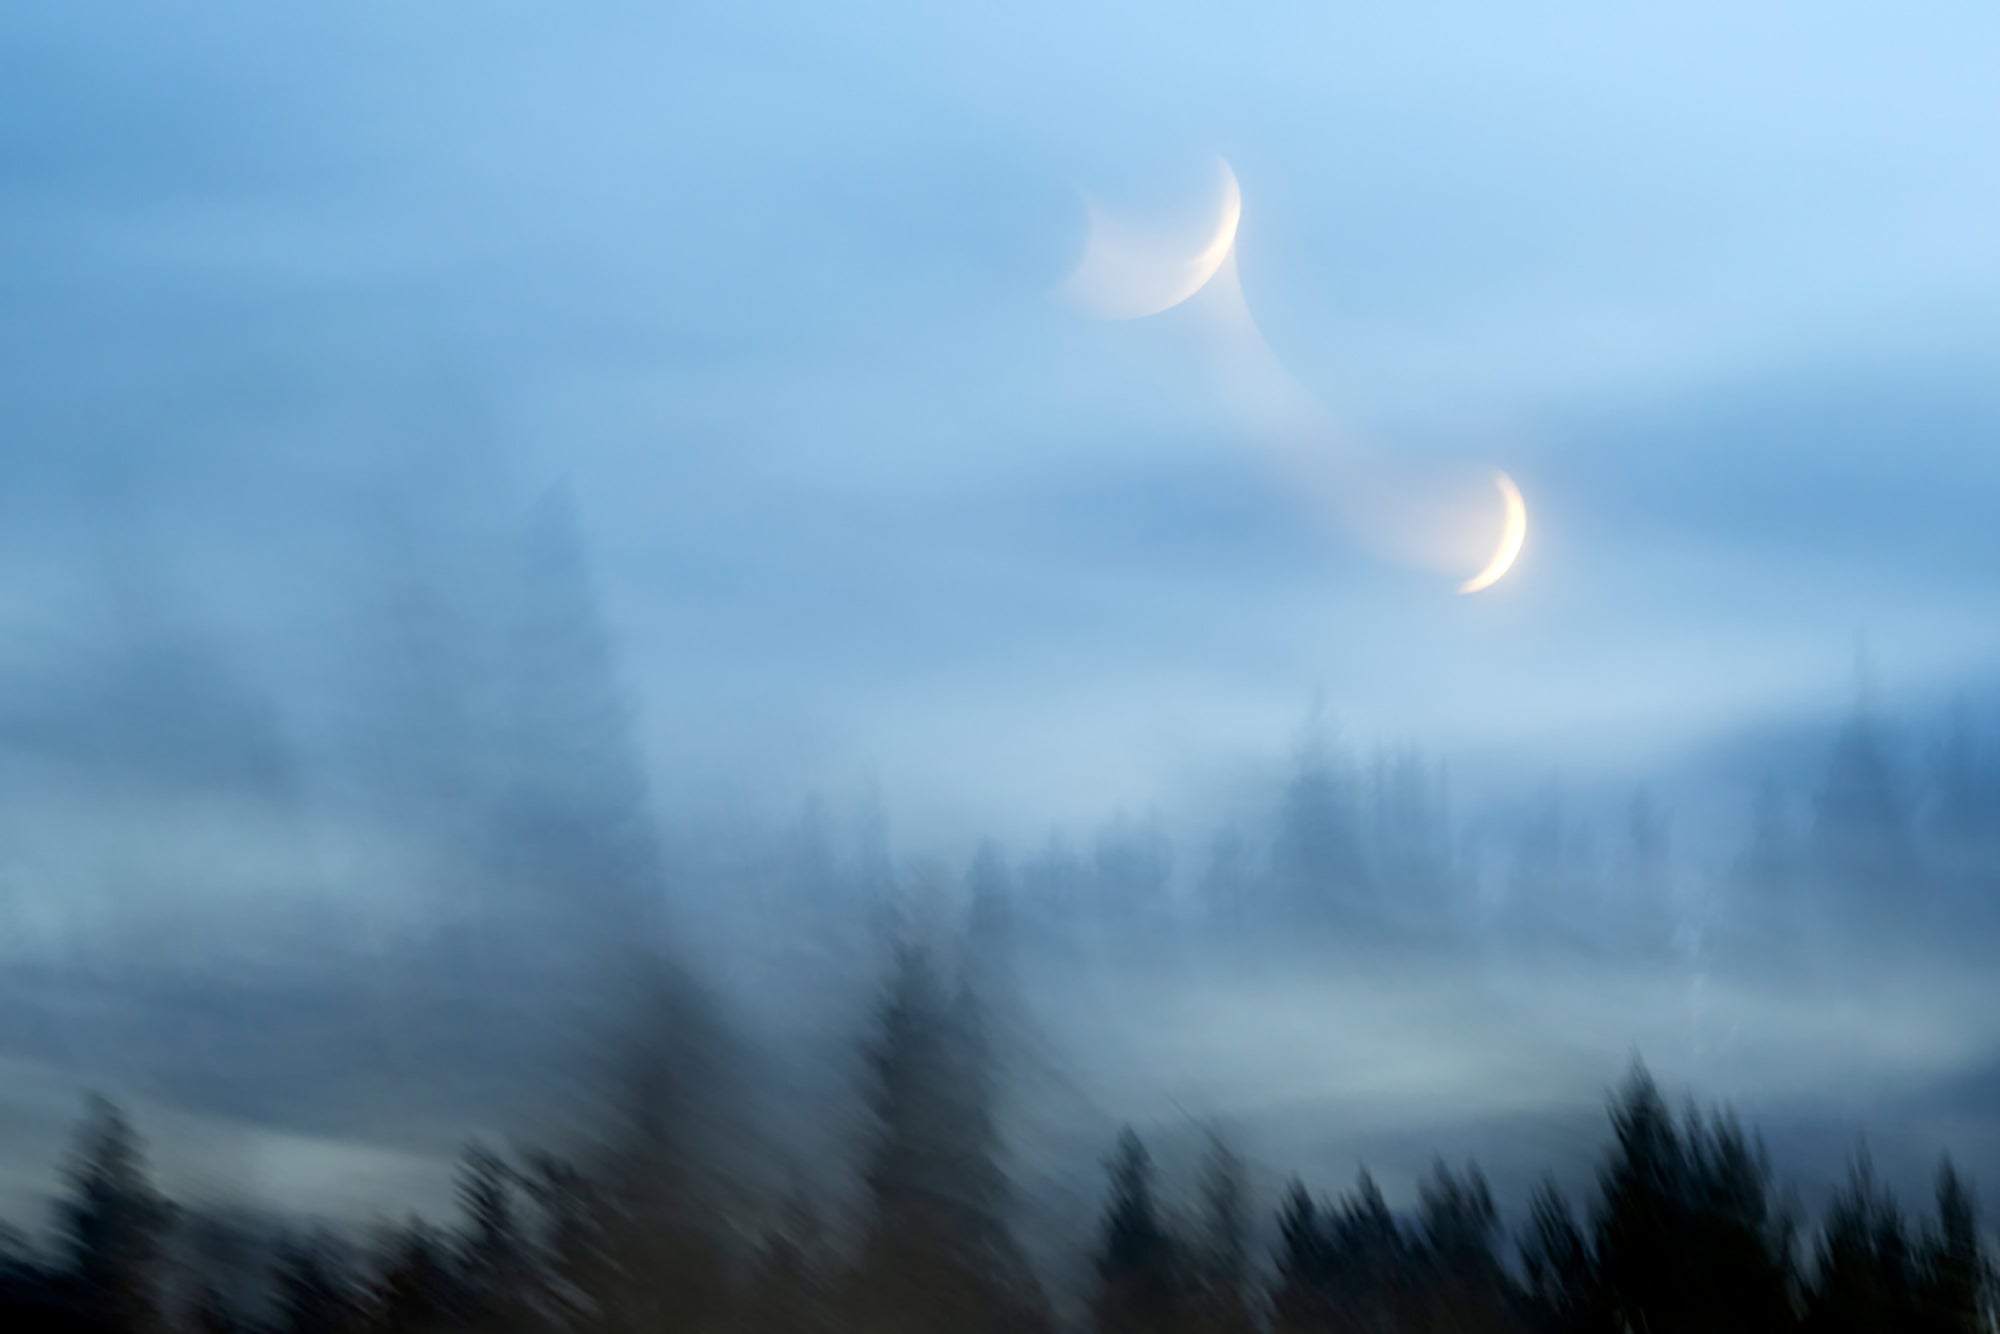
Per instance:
(679,1185)
(647,1228)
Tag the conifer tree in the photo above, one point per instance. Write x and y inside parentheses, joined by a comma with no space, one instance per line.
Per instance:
(1865,1277)
(935,1249)
(1142,1284)
(1687,1235)
(316,1290)
(1558,1271)
(1370,1274)
(790,1284)
(1222,1259)
(1299,1299)
(493,1254)
(1465,1288)
(417,1292)
(114,1226)
(1957,1277)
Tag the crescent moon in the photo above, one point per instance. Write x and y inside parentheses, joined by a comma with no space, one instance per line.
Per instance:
(1127,274)
(1512,535)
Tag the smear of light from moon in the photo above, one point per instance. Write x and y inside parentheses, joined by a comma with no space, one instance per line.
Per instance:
(1512,535)
(1396,510)
(1128,272)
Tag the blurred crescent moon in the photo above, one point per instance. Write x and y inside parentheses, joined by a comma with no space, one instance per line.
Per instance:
(1512,535)
(1127,273)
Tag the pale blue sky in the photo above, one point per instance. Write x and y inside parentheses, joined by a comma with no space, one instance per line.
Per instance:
(770,285)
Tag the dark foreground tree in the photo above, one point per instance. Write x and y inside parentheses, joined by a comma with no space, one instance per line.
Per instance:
(1224,1288)
(493,1258)
(935,1251)
(1561,1293)
(1463,1285)
(317,1289)
(1688,1236)
(1300,1302)
(1865,1273)
(791,1282)
(114,1227)
(1142,1280)
(418,1291)
(1956,1283)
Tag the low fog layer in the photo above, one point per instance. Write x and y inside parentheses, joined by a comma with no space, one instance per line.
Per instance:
(326,904)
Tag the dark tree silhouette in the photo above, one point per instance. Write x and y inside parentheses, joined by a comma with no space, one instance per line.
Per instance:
(1224,1300)
(114,1226)
(1687,1235)
(1464,1287)
(418,1290)
(317,1291)
(1563,1294)
(649,1251)
(574,1271)
(494,1254)
(1866,1276)
(209,1312)
(935,1249)
(1371,1268)
(1299,1299)
(791,1283)
(1956,1284)
(1142,1280)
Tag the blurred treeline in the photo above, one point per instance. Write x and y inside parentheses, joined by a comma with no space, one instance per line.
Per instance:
(442,760)
(657,1220)
(489,774)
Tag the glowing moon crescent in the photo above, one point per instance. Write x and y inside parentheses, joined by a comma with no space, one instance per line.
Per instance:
(1511,537)
(1127,274)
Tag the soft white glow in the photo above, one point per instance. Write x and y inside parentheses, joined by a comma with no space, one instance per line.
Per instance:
(1511,537)
(1128,272)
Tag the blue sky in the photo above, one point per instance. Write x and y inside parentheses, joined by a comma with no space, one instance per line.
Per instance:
(770,286)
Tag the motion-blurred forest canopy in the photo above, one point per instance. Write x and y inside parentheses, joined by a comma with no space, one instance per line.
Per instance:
(1686,1229)
(464,916)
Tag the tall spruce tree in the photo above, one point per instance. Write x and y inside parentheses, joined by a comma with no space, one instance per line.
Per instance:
(1562,1294)
(1465,1287)
(1300,1302)
(493,1254)
(1142,1280)
(1956,1288)
(1222,1271)
(114,1226)
(935,1249)
(317,1289)
(791,1283)
(1371,1276)
(1688,1237)
(1865,1277)
(418,1290)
